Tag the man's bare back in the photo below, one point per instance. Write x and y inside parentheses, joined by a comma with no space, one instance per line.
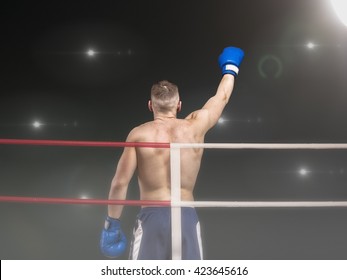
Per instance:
(153,165)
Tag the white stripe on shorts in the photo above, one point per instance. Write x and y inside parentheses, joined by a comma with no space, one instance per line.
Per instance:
(137,241)
(198,232)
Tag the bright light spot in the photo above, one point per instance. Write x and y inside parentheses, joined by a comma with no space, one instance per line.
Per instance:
(37,124)
(303,171)
(91,52)
(221,120)
(84,196)
(310,45)
(340,7)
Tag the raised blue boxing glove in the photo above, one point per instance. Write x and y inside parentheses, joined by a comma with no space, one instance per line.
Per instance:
(113,241)
(230,60)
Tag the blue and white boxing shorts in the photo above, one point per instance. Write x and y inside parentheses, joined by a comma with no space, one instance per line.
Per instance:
(152,235)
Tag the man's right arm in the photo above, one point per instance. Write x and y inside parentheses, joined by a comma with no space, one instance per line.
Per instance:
(215,105)
(208,116)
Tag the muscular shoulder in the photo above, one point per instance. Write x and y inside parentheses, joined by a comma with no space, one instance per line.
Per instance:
(139,133)
(200,120)
(197,115)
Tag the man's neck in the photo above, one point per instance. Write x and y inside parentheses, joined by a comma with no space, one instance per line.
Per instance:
(161,116)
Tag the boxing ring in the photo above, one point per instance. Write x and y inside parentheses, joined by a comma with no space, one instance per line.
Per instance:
(175,203)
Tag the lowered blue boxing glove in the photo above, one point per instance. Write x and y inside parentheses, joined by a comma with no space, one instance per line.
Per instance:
(230,60)
(113,241)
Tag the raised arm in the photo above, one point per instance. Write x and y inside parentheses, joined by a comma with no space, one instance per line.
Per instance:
(229,62)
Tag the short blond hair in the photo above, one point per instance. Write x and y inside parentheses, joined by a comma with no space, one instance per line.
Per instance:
(164,96)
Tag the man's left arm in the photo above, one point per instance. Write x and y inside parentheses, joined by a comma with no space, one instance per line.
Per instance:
(113,241)
(119,185)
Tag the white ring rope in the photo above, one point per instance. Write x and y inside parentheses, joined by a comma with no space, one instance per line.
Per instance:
(262,146)
(260,204)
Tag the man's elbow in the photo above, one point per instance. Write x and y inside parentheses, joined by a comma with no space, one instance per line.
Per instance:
(226,98)
(118,186)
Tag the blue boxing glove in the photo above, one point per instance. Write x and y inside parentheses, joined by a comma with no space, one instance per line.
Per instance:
(113,241)
(230,60)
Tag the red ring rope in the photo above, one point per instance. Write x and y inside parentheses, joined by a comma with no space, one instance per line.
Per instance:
(83,143)
(51,200)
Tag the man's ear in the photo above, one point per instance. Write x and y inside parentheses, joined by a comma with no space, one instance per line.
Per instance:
(150,105)
(179,106)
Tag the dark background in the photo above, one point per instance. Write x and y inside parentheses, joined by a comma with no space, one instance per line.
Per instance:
(285,93)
